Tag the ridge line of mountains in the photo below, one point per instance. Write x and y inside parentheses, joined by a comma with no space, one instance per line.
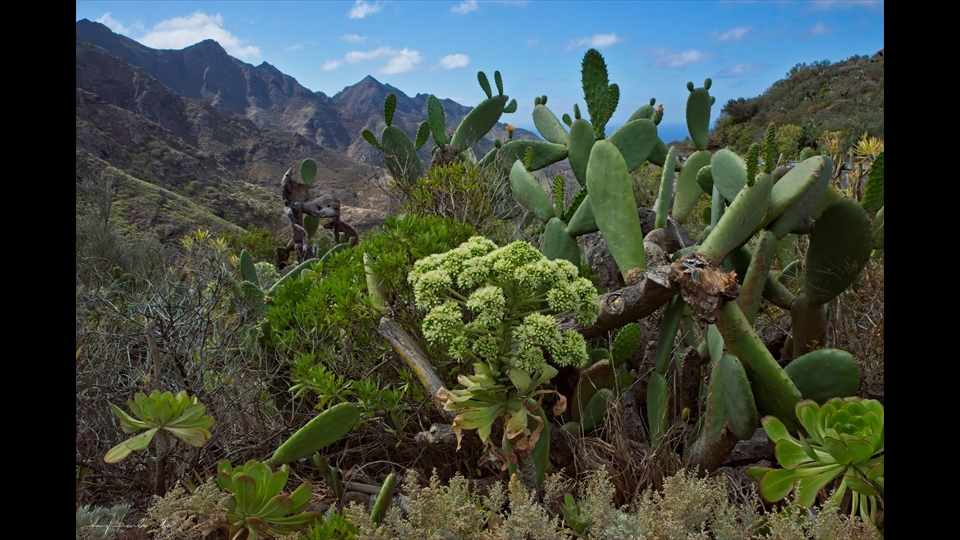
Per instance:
(197,138)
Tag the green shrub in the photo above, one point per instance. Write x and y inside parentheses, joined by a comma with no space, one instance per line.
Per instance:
(465,192)
(324,323)
(261,243)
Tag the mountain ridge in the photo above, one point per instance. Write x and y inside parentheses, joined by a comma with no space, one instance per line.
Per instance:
(253,121)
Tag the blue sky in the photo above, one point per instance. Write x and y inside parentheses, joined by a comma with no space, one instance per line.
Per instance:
(652,48)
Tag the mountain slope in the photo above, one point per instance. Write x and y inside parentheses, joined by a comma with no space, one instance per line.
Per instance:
(193,149)
(845,97)
(277,101)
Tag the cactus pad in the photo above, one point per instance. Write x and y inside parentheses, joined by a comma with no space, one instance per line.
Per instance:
(322,431)
(579,144)
(528,192)
(247,270)
(739,221)
(615,209)
(557,244)
(582,221)
(689,189)
(548,125)
(478,122)
(742,415)
(544,153)
(635,140)
(839,248)
(626,343)
(796,195)
(873,192)
(698,113)
(824,374)
(308,171)
(729,173)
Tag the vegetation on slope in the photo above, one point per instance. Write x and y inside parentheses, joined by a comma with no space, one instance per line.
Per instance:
(810,102)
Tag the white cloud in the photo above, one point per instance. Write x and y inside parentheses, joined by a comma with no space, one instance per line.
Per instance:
(119,27)
(353,38)
(824,5)
(818,29)
(361,9)
(453,61)
(663,58)
(737,70)
(397,61)
(465,7)
(730,35)
(180,32)
(295,47)
(597,40)
(468,6)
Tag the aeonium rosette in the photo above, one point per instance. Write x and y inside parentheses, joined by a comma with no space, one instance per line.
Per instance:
(496,308)
(845,439)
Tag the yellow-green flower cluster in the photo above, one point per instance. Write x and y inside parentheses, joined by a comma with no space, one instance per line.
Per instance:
(443,323)
(488,303)
(510,296)
(538,332)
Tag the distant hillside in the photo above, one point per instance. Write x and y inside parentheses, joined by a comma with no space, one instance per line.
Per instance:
(277,101)
(132,123)
(845,97)
(206,126)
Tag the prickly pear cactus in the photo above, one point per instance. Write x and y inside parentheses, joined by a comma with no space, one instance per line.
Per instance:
(698,113)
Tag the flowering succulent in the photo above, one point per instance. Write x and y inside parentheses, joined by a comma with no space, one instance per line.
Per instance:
(845,438)
(181,415)
(496,308)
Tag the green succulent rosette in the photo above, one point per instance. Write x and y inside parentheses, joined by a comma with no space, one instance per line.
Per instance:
(258,505)
(180,414)
(845,442)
